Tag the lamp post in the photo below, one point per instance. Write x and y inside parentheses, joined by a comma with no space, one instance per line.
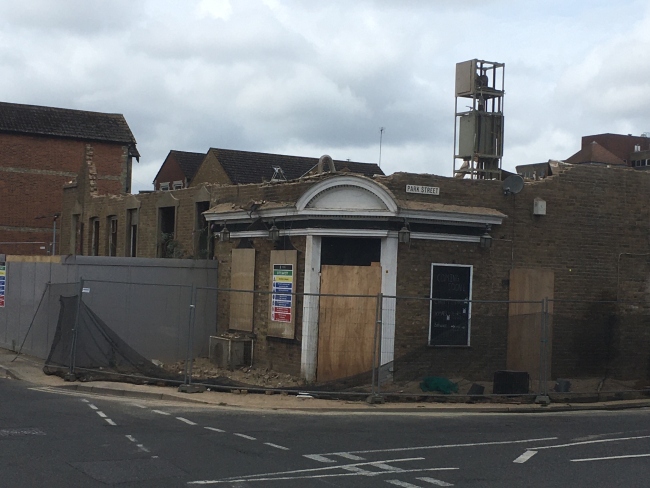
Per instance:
(55,216)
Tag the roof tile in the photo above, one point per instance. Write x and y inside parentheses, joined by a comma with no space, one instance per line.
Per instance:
(63,122)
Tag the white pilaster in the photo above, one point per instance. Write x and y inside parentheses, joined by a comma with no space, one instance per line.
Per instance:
(309,352)
(389,247)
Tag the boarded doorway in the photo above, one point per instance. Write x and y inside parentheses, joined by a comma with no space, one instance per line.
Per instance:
(525,320)
(346,325)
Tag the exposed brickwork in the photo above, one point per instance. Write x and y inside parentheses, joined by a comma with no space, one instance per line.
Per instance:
(211,172)
(33,171)
(595,237)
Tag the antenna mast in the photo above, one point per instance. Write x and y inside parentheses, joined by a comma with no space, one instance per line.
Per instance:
(381,136)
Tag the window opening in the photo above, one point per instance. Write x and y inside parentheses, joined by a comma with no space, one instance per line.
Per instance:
(132,232)
(350,251)
(167,226)
(112,236)
(94,236)
(201,231)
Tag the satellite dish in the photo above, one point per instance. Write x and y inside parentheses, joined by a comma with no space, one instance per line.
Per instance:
(512,184)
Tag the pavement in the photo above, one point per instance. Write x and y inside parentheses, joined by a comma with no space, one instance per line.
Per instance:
(30,369)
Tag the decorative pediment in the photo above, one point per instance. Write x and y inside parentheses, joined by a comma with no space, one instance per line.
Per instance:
(347,193)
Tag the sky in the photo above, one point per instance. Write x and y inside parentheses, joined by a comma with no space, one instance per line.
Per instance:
(307,78)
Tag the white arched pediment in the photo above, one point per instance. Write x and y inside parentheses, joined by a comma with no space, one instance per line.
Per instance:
(346,193)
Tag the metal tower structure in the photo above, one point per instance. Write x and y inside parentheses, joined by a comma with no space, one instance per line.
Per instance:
(478,126)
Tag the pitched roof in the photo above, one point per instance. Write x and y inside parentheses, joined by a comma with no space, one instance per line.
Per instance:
(595,153)
(243,167)
(189,162)
(63,122)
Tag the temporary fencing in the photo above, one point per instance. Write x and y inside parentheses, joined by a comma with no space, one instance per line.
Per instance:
(343,345)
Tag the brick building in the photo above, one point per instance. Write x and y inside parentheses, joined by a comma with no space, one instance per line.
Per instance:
(43,148)
(580,238)
(178,170)
(612,149)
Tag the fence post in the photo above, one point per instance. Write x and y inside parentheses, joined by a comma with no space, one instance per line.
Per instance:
(380,320)
(542,395)
(546,365)
(75,329)
(376,354)
(190,355)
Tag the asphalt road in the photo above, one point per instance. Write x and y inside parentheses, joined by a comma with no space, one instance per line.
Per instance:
(52,439)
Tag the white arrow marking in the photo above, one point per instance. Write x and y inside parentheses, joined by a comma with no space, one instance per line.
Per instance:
(525,457)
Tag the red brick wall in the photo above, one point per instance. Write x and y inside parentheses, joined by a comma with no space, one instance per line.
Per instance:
(169,172)
(33,171)
(618,144)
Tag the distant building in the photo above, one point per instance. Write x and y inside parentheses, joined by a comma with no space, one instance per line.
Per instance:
(178,170)
(601,150)
(230,167)
(42,149)
(612,148)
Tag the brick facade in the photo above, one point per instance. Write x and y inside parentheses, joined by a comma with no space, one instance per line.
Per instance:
(595,237)
(33,170)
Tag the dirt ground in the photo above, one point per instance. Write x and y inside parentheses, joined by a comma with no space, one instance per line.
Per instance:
(203,368)
(264,378)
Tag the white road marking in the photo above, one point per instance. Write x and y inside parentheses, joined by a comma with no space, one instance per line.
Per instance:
(142,448)
(434,481)
(317,476)
(595,436)
(214,429)
(83,399)
(441,446)
(610,457)
(188,422)
(319,458)
(592,442)
(245,436)
(160,412)
(387,467)
(360,471)
(28,431)
(525,457)
(56,391)
(110,422)
(280,476)
(94,407)
(101,414)
(276,446)
(403,484)
(350,456)
(138,405)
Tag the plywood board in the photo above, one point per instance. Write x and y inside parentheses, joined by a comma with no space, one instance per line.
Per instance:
(346,325)
(525,320)
(242,277)
(283,282)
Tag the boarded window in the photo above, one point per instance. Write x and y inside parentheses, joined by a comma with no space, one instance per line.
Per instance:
(242,277)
